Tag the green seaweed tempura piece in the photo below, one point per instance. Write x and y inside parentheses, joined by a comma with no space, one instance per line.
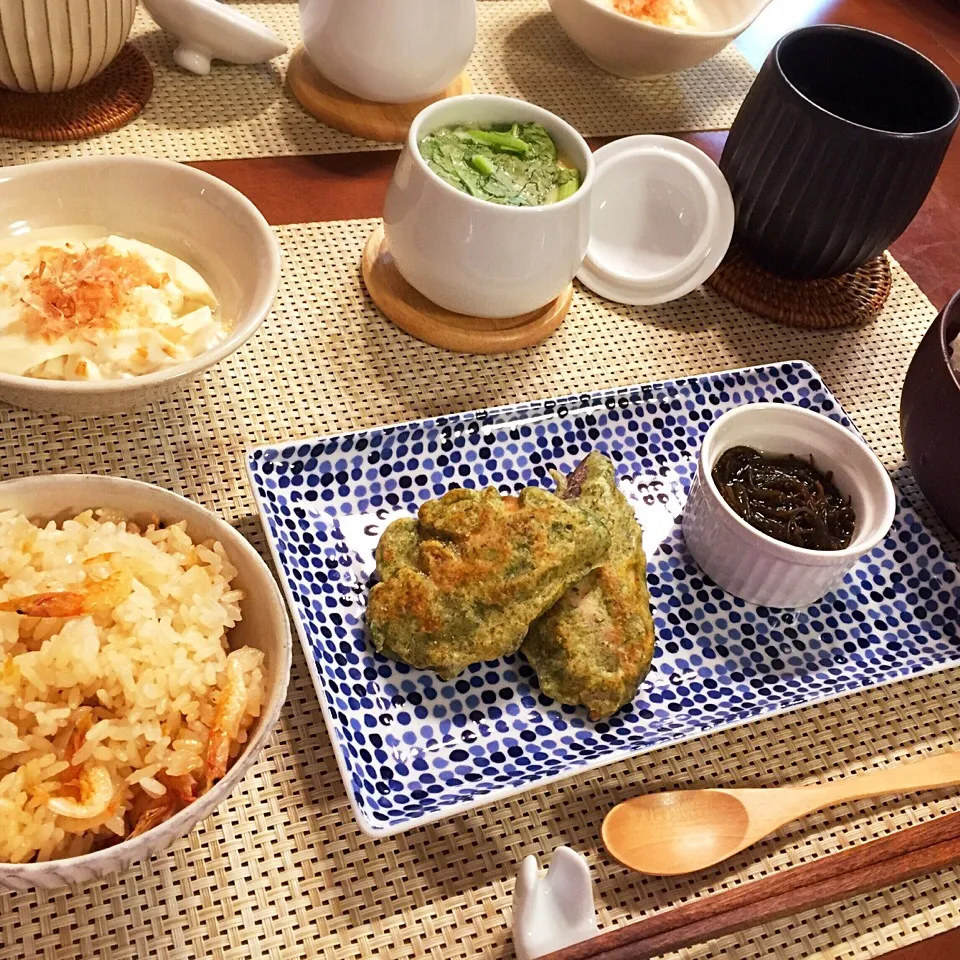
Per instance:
(513,164)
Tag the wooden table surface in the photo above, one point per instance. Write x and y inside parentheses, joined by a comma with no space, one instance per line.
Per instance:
(348,186)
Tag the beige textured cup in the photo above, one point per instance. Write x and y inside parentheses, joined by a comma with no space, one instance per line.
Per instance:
(51,45)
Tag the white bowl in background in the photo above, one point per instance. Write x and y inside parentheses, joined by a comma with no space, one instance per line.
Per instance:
(632,48)
(187,213)
(209,30)
(264,625)
(389,51)
(753,566)
(51,45)
(661,220)
(472,256)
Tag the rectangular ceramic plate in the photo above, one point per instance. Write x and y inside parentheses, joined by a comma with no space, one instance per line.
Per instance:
(413,748)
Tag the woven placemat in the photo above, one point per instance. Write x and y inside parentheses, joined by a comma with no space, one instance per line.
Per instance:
(849,300)
(281,870)
(247,111)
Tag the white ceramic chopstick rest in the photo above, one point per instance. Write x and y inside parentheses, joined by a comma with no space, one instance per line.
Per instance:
(552,910)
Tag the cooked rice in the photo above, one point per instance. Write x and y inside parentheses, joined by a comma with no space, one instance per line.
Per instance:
(118,702)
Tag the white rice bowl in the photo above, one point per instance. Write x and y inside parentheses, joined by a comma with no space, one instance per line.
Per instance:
(108,711)
(128,691)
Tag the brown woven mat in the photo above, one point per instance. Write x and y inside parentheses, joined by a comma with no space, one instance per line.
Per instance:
(109,101)
(246,111)
(281,871)
(854,298)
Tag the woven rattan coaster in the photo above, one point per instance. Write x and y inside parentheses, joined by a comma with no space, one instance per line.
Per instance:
(384,122)
(423,319)
(109,101)
(853,299)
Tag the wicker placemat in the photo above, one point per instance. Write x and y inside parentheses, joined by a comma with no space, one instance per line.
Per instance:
(247,111)
(281,871)
(108,102)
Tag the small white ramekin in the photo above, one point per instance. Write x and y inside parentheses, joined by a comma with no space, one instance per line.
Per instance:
(748,563)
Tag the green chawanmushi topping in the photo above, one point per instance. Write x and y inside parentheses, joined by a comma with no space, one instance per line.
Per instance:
(516,165)
(786,498)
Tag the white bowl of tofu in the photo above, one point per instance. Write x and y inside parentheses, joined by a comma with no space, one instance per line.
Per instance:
(651,38)
(122,279)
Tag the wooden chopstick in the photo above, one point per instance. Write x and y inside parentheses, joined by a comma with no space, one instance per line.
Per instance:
(880,863)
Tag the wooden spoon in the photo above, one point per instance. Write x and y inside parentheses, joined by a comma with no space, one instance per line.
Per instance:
(683,831)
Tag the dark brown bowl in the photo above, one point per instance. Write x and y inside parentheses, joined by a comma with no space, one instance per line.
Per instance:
(930,417)
(835,149)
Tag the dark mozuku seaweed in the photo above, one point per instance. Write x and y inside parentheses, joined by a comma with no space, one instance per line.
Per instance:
(786,498)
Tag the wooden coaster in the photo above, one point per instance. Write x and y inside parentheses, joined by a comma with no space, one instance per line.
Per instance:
(385,122)
(109,101)
(423,319)
(853,299)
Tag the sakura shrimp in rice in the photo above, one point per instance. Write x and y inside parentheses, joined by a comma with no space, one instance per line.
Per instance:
(121,701)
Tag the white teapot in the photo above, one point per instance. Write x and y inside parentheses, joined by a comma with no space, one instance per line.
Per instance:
(389,51)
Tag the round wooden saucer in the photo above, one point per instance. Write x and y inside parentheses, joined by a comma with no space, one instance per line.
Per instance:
(423,319)
(385,122)
(107,102)
(852,299)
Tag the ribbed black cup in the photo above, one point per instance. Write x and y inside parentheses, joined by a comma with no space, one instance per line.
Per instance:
(835,149)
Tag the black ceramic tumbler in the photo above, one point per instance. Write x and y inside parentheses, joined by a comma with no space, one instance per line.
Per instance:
(835,149)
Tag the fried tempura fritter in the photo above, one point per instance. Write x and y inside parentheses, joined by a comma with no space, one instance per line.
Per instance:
(594,646)
(463,581)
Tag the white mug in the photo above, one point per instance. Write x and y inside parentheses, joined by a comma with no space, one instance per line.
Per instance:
(389,51)
(52,45)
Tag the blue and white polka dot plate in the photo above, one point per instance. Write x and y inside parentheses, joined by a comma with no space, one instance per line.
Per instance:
(413,748)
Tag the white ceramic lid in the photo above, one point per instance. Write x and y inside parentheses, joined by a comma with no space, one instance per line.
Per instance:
(209,29)
(661,220)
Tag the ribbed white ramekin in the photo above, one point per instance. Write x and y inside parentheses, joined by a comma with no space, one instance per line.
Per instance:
(753,566)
